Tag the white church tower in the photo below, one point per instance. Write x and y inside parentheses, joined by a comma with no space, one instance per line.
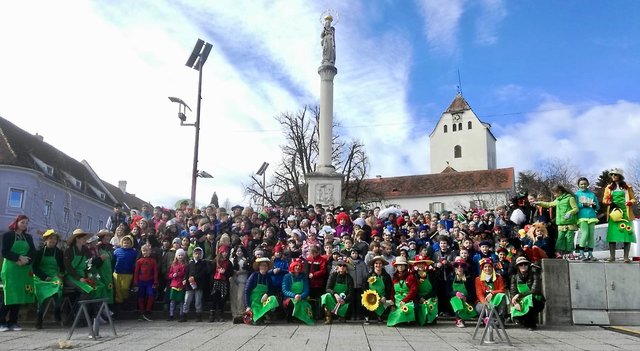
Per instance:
(460,140)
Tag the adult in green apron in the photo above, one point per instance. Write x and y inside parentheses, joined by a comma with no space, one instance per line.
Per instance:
(295,292)
(405,290)
(462,309)
(339,294)
(566,218)
(526,291)
(75,263)
(377,291)
(17,275)
(48,268)
(490,289)
(620,199)
(256,299)
(105,271)
(96,268)
(426,302)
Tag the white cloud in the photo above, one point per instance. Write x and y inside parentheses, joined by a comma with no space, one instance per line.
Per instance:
(491,14)
(442,19)
(594,139)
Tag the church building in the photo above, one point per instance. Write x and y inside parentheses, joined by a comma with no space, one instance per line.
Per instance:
(462,141)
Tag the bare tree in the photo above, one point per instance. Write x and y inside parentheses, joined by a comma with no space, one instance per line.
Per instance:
(632,173)
(547,174)
(300,155)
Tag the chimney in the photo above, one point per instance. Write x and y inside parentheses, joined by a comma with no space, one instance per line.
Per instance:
(39,137)
(122,184)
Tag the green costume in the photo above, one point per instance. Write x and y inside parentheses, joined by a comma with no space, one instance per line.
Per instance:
(103,276)
(464,310)
(621,231)
(79,265)
(259,308)
(565,204)
(404,312)
(329,301)
(301,309)
(378,286)
(525,303)
(428,310)
(18,280)
(44,289)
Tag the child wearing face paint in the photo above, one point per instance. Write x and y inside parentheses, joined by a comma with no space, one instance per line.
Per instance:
(588,206)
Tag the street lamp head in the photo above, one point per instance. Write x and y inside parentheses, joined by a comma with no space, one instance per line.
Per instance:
(182,116)
(204,174)
(199,55)
(263,168)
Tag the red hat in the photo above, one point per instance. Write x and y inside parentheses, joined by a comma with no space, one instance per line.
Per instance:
(459,262)
(400,221)
(295,262)
(486,261)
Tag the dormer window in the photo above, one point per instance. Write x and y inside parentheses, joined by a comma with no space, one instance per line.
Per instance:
(78,184)
(47,169)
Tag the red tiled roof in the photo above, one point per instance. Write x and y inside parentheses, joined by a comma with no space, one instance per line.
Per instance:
(458,104)
(449,182)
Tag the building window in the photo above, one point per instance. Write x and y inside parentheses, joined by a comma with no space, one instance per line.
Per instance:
(16,198)
(436,207)
(66,216)
(78,219)
(89,222)
(445,128)
(460,126)
(100,224)
(469,125)
(455,127)
(457,151)
(48,206)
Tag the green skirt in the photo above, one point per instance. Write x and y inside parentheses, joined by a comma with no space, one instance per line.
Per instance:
(464,310)
(402,314)
(176,295)
(427,311)
(329,301)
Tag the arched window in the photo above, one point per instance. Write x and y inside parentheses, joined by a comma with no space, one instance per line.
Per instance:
(457,151)
(455,127)
(445,128)
(460,126)
(469,125)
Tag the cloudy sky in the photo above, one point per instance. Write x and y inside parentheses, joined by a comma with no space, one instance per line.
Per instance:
(554,79)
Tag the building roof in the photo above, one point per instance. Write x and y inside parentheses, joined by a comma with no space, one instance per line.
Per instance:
(22,149)
(458,104)
(449,182)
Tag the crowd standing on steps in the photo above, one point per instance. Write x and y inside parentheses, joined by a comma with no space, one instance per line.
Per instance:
(305,264)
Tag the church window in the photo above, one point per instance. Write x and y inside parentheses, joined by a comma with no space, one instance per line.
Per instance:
(460,126)
(445,128)
(454,127)
(457,151)
(469,125)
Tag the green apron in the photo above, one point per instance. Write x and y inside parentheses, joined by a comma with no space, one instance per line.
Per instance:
(258,308)
(18,289)
(45,289)
(329,301)
(79,265)
(497,298)
(403,313)
(104,278)
(428,310)
(462,308)
(620,232)
(525,303)
(378,286)
(301,309)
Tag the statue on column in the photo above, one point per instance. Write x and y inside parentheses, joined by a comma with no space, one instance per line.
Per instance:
(328,42)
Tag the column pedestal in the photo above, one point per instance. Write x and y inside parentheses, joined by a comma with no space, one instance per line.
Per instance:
(324,188)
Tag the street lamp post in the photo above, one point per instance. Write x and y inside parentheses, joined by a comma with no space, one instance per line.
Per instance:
(197,59)
(261,172)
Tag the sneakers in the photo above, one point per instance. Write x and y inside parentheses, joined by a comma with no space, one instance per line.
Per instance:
(459,323)
(4,328)
(14,327)
(366,321)
(485,320)
(146,317)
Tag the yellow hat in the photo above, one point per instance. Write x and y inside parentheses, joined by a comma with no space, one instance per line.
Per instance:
(49,233)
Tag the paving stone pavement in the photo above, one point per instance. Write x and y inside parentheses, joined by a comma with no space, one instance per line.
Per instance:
(161,335)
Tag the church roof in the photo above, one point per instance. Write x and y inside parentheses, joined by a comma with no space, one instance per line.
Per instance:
(458,104)
(449,182)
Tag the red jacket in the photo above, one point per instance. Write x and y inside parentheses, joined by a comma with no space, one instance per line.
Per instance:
(482,289)
(318,267)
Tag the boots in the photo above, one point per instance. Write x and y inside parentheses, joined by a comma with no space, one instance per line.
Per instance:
(327,316)
(219,316)
(183,318)
(199,317)
(212,317)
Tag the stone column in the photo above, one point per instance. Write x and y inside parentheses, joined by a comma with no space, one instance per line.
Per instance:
(326,72)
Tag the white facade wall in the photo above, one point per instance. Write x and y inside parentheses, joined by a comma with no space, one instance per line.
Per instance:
(477,144)
(449,202)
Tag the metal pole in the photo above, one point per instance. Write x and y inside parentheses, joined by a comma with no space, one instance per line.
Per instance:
(194,176)
(264,188)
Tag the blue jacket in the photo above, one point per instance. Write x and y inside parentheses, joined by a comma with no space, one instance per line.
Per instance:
(276,279)
(124,260)
(251,283)
(583,196)
(288,281)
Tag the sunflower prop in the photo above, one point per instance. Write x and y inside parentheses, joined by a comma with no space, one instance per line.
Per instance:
(404,308)
(371,280)
(266,302)
(370,299)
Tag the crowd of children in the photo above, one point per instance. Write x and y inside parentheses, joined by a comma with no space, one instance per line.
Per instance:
(312,263)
